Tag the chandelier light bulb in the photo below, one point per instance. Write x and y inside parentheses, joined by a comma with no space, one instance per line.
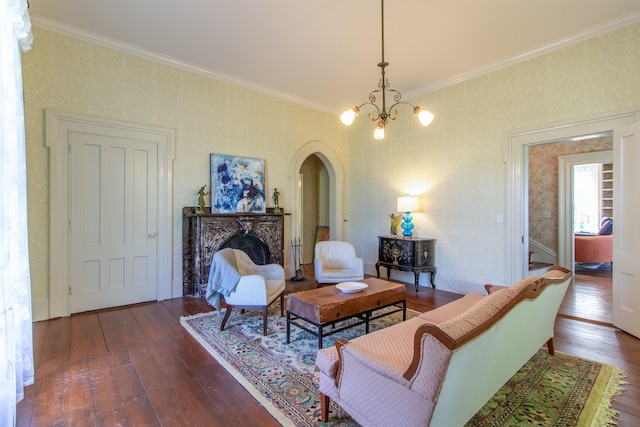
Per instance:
(379,133)
(349,116)
(424,116)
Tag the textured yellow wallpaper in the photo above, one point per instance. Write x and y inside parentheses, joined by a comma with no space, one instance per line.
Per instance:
(457,163)
(73,76)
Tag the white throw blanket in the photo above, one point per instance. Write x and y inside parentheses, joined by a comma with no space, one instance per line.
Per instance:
(223,277)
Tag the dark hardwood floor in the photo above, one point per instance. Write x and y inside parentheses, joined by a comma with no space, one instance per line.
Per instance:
(589,298)
(136,366)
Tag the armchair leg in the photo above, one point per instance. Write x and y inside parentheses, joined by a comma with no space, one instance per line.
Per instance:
(324,407)
(226,317)
(264,320)
(282,304)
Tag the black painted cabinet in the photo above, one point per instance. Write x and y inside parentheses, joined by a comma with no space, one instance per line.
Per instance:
(416,254)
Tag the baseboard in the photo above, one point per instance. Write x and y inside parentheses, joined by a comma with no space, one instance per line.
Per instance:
(443,283)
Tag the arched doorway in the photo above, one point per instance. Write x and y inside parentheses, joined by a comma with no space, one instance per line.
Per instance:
(322,194)
(314,203)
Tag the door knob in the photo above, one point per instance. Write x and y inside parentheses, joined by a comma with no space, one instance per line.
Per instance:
(153,234)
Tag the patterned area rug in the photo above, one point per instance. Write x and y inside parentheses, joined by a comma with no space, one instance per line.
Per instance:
(560,390)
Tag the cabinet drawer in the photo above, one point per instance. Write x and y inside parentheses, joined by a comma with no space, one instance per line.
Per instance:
(414,252)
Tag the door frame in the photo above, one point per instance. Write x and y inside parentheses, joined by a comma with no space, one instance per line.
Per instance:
(566,250)
(56,126)
(516,147)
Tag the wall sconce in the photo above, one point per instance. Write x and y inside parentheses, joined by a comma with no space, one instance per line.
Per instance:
(407,204)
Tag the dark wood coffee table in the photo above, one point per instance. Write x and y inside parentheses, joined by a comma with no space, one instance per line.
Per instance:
(327,306)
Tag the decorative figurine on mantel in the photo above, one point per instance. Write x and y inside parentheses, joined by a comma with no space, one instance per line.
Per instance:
(276,199)
(395,222)
(201,194)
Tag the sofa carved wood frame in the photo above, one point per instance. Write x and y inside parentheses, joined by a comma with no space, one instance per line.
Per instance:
(529,292)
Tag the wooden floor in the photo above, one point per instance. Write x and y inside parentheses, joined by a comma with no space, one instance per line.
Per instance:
(136,366)
(589,298)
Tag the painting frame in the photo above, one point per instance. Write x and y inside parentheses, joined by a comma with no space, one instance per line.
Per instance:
(237,184)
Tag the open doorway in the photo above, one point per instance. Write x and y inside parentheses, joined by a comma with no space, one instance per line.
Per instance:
(315,205)
(565,197)
(317,186)
(588,194)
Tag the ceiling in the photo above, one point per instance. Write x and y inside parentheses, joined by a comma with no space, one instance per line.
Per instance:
(324,53)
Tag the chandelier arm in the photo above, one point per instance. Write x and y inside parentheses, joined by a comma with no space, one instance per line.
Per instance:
(395,106)
(382,114)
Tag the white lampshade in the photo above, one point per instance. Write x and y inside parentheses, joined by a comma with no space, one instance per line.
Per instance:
(408,204)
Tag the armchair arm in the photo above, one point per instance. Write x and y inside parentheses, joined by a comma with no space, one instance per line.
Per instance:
(357,264)
(317,267)
(269,271)
(251,290)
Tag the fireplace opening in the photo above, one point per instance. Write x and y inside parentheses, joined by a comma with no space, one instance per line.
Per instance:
(251,244)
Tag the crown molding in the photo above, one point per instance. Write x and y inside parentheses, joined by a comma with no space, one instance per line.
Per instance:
(110,43)
(77,33)
(596,31)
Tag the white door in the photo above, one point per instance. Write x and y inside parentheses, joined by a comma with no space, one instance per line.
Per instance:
(113,199)
(626,231)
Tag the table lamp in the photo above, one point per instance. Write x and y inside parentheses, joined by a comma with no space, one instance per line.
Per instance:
(407,204)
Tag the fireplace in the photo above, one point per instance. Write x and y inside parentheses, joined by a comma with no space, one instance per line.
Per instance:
(261,236)
(251,244)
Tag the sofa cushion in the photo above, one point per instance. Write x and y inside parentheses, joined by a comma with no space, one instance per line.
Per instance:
(452,309)
(480,312)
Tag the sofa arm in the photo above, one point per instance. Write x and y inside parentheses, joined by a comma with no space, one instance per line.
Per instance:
(494,288)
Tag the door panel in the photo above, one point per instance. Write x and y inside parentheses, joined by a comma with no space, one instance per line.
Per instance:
(113,221)
(626,233)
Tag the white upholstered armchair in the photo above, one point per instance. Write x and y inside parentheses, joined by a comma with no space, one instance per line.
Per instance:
(336,262)
(259,286)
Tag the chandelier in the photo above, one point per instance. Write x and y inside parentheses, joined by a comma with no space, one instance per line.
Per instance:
(382,115)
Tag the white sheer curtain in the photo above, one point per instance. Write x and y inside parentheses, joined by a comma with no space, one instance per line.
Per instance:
(16,342)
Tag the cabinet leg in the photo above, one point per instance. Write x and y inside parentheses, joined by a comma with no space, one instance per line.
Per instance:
(433,278)
(378,269)
(416,275)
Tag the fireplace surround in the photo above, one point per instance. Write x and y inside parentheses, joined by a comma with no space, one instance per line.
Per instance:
(261,236)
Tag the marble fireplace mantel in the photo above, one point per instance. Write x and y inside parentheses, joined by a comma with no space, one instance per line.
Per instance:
(261,236)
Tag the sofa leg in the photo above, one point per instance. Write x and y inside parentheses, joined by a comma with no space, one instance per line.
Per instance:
(324,407)
(550,348)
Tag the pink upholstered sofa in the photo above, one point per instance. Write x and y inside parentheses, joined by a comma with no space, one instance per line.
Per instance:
(440,368)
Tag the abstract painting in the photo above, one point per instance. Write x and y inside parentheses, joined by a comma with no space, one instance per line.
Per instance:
(237,184)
